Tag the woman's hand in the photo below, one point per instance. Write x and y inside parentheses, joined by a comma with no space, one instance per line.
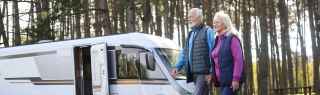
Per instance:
(235,85)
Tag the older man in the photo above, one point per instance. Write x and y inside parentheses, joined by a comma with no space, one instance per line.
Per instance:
(195,55)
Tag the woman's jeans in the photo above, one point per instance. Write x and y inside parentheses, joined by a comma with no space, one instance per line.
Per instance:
(226,91)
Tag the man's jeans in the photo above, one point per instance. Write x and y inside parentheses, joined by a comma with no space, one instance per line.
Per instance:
(201,83)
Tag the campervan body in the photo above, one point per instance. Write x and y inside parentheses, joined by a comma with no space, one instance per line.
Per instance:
(123,64)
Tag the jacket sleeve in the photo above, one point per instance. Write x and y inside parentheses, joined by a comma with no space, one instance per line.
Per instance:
(181,60)
(238,58)
(210,38)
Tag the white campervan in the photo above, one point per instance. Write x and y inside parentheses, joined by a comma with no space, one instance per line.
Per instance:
(124,64)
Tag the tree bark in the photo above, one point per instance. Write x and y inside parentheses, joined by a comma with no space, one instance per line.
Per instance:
(263,61)
(97,24)
(43,22)
(115,15)
(106,22)
(76,11)
(102,18)
(315,47)
(131,16)
(166,18)
(274,80)
(317,50)
(2,30)
(208,17)
(303,51)
(285,43)
(158,18)
(147,17)
(171,19)
(87,21)
(247,48)
(122,16)
(16,23)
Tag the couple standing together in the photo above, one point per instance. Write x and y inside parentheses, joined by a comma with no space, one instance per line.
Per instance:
(212,56)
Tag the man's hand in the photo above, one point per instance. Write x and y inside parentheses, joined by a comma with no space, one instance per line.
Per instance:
(174,72)
(208,77)
(235,85)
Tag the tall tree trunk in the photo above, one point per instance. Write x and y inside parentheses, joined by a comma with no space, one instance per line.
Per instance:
(2,30)
(171,19)
(285,43)
(147,16)
(52,20)
(31,26)
(87,21)
(97,23)
(303,51)
(247,48)
(76,5)
(207,7)
(43,22)
(284,31)
(72,26)
(122,14)
(258,51)
(263,61)
(106,22)
(166,18)
(102,18)
(16,23)
(7,21)
(115,15)
(63,26)
(69,25)
(237,14)
(315,47)
(183,22)
(158,18)
(274,80)
(180,22)
(131,16)
(317,36)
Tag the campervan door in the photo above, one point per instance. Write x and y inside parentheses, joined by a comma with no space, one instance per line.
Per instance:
(91,74)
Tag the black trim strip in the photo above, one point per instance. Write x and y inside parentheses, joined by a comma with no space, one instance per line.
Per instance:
(39,81)
(24,78)
(48,82)
(53,82)
(136,81)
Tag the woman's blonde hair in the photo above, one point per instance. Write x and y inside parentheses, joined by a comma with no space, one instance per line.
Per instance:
(226,20)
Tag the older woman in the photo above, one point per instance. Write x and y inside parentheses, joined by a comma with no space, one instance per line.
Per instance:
(226,56)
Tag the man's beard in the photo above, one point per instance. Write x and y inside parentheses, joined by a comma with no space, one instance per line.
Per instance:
(192,24)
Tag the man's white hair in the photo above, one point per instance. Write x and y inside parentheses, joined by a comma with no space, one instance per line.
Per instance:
(197,11)
(226,20)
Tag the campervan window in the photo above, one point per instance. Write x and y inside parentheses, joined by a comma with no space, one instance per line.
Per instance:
(129,66)
(169,57)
